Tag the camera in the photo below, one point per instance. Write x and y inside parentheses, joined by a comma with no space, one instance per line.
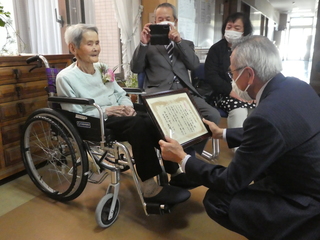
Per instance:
(159,34)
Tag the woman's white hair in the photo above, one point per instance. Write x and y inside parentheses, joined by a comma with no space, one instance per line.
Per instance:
(75,32)
(259,53)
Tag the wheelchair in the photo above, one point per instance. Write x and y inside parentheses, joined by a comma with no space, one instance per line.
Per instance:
(62,151)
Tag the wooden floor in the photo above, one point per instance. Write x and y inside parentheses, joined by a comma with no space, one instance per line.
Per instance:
(25,213)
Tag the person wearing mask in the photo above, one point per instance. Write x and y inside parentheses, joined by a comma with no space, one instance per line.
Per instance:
(89,78)
(270,189)
(217,64)
(168,70)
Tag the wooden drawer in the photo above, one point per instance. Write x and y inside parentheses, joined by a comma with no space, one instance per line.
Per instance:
(11,133)
(21,93)
(22,108)
(15,69)
(12,155)
(14,92)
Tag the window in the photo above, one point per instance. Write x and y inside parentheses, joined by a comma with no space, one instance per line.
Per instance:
(40,33)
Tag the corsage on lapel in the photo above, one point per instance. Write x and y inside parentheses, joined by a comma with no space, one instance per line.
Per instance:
(107,75)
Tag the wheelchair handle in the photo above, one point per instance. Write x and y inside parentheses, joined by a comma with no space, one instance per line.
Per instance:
(37,58)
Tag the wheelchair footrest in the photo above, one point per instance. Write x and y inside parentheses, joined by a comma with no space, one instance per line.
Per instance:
(158,208)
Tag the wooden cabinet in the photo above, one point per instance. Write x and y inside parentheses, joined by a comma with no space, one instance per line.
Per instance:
(21,93)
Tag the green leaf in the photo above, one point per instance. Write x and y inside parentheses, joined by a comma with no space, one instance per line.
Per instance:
(2,23)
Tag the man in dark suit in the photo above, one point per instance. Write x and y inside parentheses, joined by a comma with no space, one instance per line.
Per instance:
(271,188)
(161,72)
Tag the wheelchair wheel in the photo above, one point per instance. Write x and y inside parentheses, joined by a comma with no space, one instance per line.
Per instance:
(104,209)
(53,155)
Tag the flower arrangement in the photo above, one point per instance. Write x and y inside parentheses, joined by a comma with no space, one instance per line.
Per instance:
(107,75)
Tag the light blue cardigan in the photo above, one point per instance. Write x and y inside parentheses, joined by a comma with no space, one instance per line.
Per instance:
(72,82)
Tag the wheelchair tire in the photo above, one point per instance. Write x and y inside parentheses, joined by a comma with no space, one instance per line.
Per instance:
(53,155)
(103,210)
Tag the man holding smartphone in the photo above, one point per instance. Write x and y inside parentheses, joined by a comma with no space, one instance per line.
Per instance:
(166,66)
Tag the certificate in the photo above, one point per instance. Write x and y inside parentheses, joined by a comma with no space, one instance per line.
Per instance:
(176,116)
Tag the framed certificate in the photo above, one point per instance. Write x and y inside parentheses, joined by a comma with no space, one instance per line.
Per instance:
(176,116)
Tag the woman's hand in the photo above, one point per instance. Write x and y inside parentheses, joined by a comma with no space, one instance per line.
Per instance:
(120,111)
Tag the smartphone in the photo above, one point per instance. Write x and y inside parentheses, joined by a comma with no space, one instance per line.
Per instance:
(159,34)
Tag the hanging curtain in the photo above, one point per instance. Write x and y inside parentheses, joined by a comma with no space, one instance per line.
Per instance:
(39,29)
(128,13)
(44,30)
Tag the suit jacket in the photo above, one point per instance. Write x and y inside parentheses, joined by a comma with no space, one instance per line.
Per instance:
(155,62)
(281,141)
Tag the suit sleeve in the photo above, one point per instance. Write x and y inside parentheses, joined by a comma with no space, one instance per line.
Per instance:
(234,137)
(262,143)
(188,55)
(138,61)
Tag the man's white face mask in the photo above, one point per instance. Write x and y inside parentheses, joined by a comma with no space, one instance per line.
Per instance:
(231,35)
(242,94)
(166,22)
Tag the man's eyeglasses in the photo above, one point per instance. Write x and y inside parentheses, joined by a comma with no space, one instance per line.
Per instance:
(230,74)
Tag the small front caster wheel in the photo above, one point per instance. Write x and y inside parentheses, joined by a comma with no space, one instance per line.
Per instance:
(106,215)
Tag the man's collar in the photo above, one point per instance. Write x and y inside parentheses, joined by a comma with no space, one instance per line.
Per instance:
(259,94)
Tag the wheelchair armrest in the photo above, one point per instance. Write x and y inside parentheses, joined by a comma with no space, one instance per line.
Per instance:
(80,101)
(134,90)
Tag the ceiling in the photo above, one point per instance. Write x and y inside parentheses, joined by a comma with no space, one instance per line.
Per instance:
(295,6)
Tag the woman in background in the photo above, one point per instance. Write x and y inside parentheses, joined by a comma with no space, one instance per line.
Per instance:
(217,72)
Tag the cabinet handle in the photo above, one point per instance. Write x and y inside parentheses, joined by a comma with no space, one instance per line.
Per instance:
(16,73)
(21,108)
(18,90)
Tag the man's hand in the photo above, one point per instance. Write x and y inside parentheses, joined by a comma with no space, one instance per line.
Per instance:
(171,150)
(174,35)
(120,111)
(217,132)
(145,34)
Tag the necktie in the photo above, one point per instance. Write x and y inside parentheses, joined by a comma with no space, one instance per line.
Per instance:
(169,48)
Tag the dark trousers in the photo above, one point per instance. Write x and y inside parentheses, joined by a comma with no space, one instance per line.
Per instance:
(143,137)
(262,214)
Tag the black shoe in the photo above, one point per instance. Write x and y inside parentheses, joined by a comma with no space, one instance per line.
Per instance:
(182,181)
(169,195)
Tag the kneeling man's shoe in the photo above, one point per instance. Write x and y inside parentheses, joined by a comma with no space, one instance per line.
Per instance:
(169,195)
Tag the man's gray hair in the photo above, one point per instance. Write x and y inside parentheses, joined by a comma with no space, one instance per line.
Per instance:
(168,5)
(259,53)
(74,33)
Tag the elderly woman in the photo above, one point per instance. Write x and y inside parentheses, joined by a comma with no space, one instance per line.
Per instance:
(88,78)
(217,65)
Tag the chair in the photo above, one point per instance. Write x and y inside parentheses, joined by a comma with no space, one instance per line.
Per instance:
(62,151)
(203,87)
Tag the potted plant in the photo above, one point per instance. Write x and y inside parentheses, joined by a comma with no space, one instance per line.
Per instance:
(11,34)
(132,82)
(4,16)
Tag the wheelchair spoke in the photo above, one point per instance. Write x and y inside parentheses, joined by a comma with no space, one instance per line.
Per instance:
(53,157)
